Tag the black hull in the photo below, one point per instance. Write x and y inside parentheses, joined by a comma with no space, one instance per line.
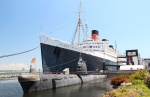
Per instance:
(56,59)
(27,86)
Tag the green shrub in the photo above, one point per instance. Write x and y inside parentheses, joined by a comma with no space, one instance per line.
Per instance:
(137,81)
(139,75)
(124,90)
(147,81)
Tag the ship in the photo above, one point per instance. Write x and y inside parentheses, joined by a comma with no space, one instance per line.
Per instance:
(66,64)
(57,55)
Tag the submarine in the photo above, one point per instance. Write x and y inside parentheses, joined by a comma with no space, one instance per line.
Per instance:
(36,82)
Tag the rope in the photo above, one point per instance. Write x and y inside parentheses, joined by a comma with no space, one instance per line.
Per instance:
(69,62)
(58,23)
(60,28)
(74,34)
(63,63)
(21,52)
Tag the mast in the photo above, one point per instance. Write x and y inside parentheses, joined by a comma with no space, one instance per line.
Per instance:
(79,25)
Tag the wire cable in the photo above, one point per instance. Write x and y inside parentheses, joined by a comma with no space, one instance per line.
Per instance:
(60,27)
(19,52)
(58,23)
(63,63)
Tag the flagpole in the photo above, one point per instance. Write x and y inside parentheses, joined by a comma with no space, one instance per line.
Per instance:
(35,64)
(33,61)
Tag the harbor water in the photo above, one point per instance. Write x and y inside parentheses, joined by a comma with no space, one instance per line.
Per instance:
(10,87)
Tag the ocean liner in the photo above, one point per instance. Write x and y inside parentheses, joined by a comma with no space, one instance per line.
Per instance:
(58,55)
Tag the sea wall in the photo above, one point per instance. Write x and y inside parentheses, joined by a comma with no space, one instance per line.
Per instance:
(9,76)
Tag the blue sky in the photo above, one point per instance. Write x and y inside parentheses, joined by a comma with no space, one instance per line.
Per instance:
(22,21)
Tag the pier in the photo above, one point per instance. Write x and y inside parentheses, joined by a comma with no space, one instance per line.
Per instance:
(12,73)
(9,76)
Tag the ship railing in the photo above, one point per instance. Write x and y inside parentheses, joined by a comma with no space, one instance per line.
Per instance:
(119,71)
(79,72)
(58,73)
(90,72)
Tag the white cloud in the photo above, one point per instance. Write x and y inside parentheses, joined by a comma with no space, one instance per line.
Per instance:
(12,66)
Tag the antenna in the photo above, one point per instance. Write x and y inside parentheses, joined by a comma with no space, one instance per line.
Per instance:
(78,28)
(79,25)
(41,30)
(115,45)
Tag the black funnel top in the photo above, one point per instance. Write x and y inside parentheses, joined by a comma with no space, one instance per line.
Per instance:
(95,32)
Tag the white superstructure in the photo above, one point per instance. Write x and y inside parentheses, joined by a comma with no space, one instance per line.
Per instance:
(95,48)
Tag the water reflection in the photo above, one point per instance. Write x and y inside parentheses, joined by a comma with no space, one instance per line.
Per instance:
(11,88)
(92,89)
